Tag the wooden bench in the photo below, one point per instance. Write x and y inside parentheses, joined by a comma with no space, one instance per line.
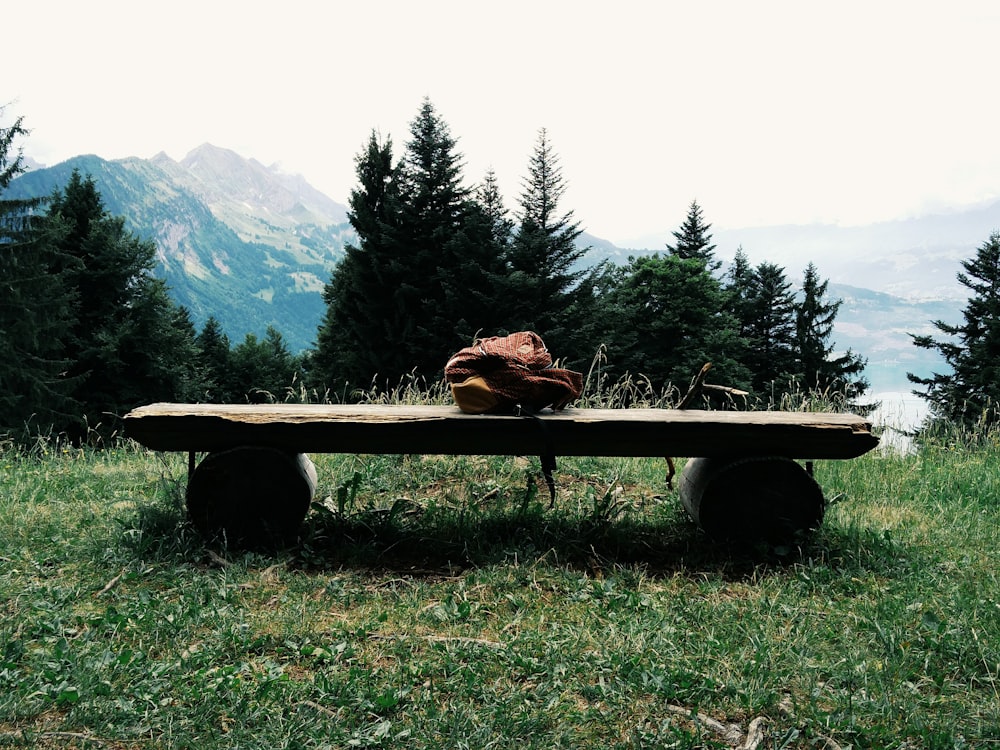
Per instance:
(256,481)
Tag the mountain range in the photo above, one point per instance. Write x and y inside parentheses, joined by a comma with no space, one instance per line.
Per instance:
(253,246)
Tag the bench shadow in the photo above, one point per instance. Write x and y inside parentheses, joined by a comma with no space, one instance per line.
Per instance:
(662,547)
(408,541)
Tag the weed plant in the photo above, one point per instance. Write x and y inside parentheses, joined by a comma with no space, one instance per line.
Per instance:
(438,602)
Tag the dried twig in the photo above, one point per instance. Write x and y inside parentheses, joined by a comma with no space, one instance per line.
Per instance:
(755,734)
(697,383)
(731,734)
(110,584)
(320,708)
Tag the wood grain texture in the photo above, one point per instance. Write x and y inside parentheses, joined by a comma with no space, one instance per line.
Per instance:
(369,429)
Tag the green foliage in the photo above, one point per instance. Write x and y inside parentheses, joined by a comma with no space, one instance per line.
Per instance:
(770,329)
(437,265)
(260,370)
(668,319)
(971,391)
(419,284)
(787,336)
(361,312)
(214,362)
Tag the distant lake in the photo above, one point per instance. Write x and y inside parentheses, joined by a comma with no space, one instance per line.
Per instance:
(898,411)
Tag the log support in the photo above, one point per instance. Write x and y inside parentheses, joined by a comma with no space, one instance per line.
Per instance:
(752,500)
(251,497)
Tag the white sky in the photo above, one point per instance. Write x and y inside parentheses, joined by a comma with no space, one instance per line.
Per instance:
(763,112)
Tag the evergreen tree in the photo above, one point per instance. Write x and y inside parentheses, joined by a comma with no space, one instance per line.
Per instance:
(491,202)
(157,352)
(35,307)
(127,344)
(694,241)
(363,329)
(446,237)
(420,283)
(213,360)
(817,366)
(262,369)
(739,289)
(668,319)
(770,330)
(470,305)
(11,165)
(543,289)
(971,391)
(432,207)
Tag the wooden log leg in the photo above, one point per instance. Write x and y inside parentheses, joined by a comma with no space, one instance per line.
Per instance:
(251,497)
(752,500)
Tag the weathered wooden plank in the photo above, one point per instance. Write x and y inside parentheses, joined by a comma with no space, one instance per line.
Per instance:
(446,430)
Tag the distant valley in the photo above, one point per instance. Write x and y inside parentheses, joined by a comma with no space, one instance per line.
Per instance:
(253,246)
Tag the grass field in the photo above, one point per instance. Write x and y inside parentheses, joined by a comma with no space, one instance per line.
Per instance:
(437,602)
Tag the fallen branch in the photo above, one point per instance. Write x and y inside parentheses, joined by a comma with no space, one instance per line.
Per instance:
(110,584)
(755,734)
(697,384)
(731,734)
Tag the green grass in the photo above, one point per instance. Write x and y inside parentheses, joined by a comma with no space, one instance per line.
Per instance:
(439,602)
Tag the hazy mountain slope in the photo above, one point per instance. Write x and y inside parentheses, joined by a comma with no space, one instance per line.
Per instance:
(878,326)
(253,257)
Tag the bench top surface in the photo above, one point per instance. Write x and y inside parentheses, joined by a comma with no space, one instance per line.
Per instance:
(368,428)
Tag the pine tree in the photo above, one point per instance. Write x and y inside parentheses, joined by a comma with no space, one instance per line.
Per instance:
(669,318)
(971,391)
(818,368)
(213,360)
(262,369)
(694,241)
(475,260)
(543,289)
(420,283)
(127,344)
(491,202)
(35,307)
(446,239)
(770,330)
(363,329)
(739,287)
(11,165)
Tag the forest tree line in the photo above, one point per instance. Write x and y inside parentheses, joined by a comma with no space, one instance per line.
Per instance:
(437,264)
(91,332)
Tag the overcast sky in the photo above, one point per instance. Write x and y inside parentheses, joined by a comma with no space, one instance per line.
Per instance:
(763,112)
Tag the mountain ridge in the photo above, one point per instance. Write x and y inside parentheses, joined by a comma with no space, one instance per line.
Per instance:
(254,257)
